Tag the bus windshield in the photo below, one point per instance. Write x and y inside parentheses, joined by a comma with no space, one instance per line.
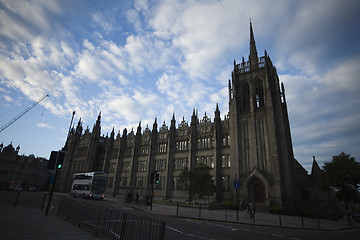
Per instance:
(99,183)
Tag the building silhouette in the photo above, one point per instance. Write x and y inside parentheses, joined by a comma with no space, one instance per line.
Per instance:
(28,172)
(251,144)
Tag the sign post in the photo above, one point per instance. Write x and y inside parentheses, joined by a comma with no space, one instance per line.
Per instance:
(237,186)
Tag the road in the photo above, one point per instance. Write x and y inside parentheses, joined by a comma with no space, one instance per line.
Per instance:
(185,228)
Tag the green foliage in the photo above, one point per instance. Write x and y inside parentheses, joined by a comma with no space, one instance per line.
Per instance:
(216,206)
(197,181)
(342,175)
(276,209)
(231,205)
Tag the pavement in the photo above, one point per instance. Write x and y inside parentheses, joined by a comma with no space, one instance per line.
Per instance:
(23,222)
(260,219)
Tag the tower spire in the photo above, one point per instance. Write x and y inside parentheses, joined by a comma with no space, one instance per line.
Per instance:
(253,57)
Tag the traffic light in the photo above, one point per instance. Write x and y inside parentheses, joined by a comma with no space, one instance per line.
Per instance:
(60,160)
(52,160)
(157,178)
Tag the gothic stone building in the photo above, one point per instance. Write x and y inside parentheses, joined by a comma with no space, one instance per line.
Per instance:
(31,171)
(252,143)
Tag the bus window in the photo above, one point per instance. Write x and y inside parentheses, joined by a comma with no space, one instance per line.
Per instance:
(82,176)
(83,187)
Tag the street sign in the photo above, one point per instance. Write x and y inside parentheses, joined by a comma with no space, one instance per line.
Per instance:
(236,182)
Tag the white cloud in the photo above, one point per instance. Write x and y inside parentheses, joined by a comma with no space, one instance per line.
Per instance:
(177,55)
(44,125)
(99,19)
(323,112)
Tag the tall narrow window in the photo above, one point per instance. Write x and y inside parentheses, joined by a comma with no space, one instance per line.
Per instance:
(245,96)
(259,94)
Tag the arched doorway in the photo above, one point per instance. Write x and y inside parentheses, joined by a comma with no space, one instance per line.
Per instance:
(256,191)
(259,193)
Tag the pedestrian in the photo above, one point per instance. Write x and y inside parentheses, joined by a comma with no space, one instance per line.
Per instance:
(251,209)
(129,197)
(254,210)
(137,198)
(246,208)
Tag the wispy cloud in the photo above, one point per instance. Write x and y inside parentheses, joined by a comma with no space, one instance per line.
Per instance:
(44,125)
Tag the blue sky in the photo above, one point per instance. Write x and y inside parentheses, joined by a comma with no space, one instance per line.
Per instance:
(135,60)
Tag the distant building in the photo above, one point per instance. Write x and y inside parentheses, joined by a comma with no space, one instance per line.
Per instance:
(26,171)
(252,143)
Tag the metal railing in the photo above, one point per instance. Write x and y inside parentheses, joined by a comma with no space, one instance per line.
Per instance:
(110,223)
(202,211)
(23,198)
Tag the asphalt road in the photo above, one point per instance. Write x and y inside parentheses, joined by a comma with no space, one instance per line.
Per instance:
(184,228)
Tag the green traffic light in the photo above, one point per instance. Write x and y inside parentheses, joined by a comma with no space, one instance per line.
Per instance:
(59,166)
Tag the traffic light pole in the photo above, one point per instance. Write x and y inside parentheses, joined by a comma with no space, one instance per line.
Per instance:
(152,194)
(51,193)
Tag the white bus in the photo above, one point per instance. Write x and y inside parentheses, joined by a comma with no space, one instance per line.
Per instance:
(89,185)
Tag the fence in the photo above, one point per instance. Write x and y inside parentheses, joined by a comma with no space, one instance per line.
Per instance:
(23,198)
(261,218)
(202,211)
(111,223)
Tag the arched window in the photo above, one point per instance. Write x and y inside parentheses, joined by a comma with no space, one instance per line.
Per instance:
(245,96)
(259,94)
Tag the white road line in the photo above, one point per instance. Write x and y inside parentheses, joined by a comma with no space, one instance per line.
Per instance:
(174,229)
(234,229)
(244,229)
(275,235)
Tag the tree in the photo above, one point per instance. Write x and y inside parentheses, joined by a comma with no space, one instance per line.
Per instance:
(342,176)
(197,181)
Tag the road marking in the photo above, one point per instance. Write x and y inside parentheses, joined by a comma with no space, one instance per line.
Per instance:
(174,229)
(276,235)
(244,229)
(234,229)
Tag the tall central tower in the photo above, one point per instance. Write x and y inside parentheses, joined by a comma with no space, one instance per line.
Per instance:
(261,147)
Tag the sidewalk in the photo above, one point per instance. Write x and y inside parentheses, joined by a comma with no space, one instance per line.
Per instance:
(31,223)
(264,219)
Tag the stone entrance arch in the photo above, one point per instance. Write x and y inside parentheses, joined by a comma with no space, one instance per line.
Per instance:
(256,191)
(259,192)
(256,187)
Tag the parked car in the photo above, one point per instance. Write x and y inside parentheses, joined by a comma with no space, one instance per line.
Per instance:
(18,189)
(32,189)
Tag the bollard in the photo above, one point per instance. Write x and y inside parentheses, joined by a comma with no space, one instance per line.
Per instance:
(17,198)
(237,214)
(200,211)
(302,221)
(177,208)
(280,218)
(225,213)
(42,206)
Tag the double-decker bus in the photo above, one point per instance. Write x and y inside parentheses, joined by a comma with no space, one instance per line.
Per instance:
(89,185)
